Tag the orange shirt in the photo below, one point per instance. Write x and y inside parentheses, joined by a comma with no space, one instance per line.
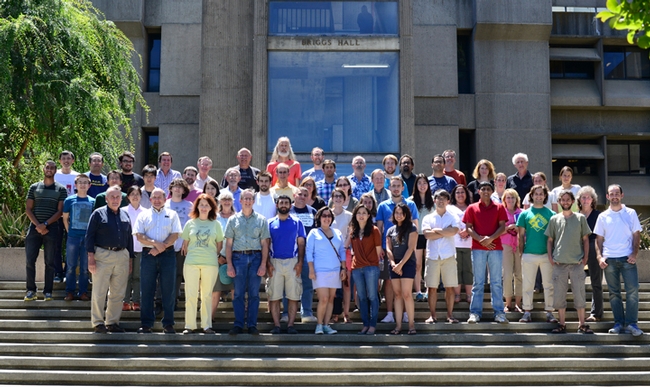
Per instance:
(365,250)
(294,171)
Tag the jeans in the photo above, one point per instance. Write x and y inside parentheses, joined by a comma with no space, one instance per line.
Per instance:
(33,243)
(367,279)
(307,294)
(617,267)
(246,281)
(163,265)
(494,261)
(76,254)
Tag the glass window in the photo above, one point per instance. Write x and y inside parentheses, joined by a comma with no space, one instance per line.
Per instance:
(584,167)
(572,70)
(153,78)
(628,157)
(333,18)
(626,63)
(345,102)
(464,57)
(151,146)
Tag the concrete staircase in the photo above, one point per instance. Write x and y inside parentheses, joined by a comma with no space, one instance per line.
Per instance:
(51,343)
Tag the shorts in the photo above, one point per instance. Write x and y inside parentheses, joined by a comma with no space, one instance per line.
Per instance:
(327,279)
(422,243)
(434,268)
(561,275)
(221,287)
(408,271)
(284,280)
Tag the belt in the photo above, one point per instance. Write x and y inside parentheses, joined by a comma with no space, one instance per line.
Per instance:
(111,248)
(147,249)
(247,251)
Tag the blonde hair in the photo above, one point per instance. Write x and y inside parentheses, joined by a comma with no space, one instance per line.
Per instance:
(513,193)
(490,167)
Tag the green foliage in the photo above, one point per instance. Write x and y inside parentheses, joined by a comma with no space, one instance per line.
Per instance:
(13,227)
(645,234)
(631,15)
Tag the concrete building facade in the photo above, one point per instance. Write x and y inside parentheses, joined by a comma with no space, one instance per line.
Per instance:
(488,78)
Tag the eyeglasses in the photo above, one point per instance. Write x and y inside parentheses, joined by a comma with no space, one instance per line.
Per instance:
(343,185)
(282,172)
(326,216)
(337,196)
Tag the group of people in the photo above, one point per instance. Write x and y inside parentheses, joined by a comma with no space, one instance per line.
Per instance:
(349,238)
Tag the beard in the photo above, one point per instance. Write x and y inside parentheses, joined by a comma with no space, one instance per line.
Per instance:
(283,210)
(283,154)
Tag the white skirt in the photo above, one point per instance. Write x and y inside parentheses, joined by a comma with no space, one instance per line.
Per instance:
(327,279)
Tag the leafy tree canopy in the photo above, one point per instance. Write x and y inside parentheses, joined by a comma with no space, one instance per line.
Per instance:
(631,15)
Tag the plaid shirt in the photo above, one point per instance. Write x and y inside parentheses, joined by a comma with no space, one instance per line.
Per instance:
(324,189)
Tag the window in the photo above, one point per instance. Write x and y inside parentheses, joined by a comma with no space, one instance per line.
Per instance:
(572,70)
(345,102)
(464,57)
(628,157)
(153,78)
(583,167)
(626,63)
(151,146)
(333,18)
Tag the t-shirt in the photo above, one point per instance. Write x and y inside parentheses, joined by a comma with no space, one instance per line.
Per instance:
(410,182)
(399,248)
(341,223)
(202,237)
(183,209)
(534,221)
(284,237)
(365,249)
(131,180)
(567,234)
(46,199)
(306,216)
(66,180)
(294,171)
(618,228)
(445,182)
(265,205)
(79,210)
(485,220)
(100,200)
(554,196)
(385,213)
(456,175)
(317,175)
(97,184)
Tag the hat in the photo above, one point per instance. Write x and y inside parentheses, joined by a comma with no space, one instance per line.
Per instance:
(223,275)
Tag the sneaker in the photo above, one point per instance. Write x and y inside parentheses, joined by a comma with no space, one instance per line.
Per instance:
(253,331)
(31,296)
(293,331)
(69,297)
(328,330)
(419,297)
(526,318)
(58,278)
(144,329)
(276,330)
(48,296)
(235,331)
(501,318)
(405,317)
(550,318)
(115,328)
(169,329)
(284,319)
(309,319)
(319,330)
(389,318)
(473,318)
(617,328)
(101,328)
(634,330)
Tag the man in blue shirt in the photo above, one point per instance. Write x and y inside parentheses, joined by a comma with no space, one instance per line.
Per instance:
(439,180)
(360,181)
(317,171)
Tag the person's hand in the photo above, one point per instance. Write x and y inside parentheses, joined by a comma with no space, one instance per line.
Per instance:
(92,265)
(312,275)
(631,259)
(261,271)
(602,262)
(298,269)
(231,271)
(269,271)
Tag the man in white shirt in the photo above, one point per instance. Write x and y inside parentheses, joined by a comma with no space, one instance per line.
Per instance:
(264,203)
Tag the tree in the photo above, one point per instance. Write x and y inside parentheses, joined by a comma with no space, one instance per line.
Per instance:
(66,82)
(631,15)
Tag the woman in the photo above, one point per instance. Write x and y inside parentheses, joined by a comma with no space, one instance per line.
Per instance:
(368,200)
(484,171)
(202,241)
(313,200)
(212,188)
(539,178)
(511,256)
(350,201)
(325,255)
(401,240)
(460,200)
(366,244)
(424,202)
(587,201)
(341,221)
(223,283)
(132,292)
(500,182)
(566,175)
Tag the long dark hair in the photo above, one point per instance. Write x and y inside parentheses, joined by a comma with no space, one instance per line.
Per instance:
(428,197)
(349,193)
(468,195)
(403,229)
(356,228)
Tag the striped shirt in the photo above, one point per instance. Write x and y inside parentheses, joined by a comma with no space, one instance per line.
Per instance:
(157,224)
(163,181)
(46,199)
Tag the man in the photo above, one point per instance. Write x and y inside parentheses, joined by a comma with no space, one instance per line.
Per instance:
(247,250)
(282,185)
(316,172)
(406,165)
(97,179)
(233,177)
(531,225)
(283,154)
(248,174)
(378,186)
(157,229)
(149,173)
(439,228)
(204,165)
(76,215)
(284,267)
(264,203)
(522,181)
(114,177)
(44,207)
(450,162)
(360,181)
(568,250)
(485,222)
(109,244)
(129,178)
(325,187)
(66,175)
(618,234)
(438,180)
(389,163)
(189,175)
(165,172)
(384,216)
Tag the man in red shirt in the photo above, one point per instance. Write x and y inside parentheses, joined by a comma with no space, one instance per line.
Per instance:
(450,161)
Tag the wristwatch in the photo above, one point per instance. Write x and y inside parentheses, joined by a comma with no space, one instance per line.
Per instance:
(45,223)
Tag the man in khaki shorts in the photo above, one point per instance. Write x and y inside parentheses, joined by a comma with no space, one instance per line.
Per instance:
(285,264)
(439,229)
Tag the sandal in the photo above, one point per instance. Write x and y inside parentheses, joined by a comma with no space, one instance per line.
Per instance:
(452,320)
(431,320)
(457,299)
(412,332)
(395,332)
(334,319)
(585,329)
(561,328)
(469,299)
(518,309)
(347,319)
(506,309)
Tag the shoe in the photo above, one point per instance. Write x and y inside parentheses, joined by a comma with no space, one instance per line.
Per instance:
(101,328)
(47,296)
(550,318)
(58,278)
(561,328)
(284,319)
(419,297)
(169,329)
(115,328)
(187,331)
(235,331)
(84,297)
(309,319)
(209,331)
(126,306)
(319,330)
(585,329)
(526,318)
(634,330)
(501,318)
(592,318)
(617,328)
(293,331)
(389,318)
(144,329)
(276,330)
(69,297)
(473,318)
(135,306)
(31,296)
(405,317)
(253,331)
(328,330)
